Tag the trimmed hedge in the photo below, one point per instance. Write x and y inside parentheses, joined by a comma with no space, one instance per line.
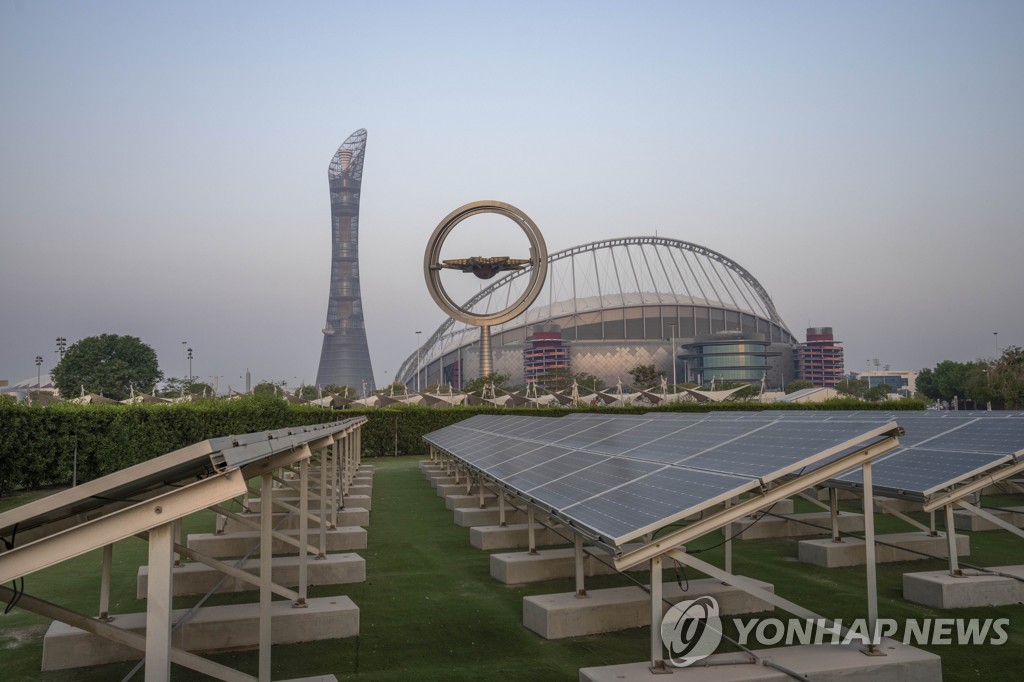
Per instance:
(38,444)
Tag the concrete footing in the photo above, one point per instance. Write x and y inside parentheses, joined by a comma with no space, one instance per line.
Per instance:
(902,506)
(964,520)
(197,578)
(214,628)
(819,662)
(221,545)
(468,518)
(350,516)
(470,501)
(940,590)
(554,616)
(796,525)
(515,568)
(512,536)
(851,551)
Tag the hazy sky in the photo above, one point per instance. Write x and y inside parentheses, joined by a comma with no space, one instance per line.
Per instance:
(163,165)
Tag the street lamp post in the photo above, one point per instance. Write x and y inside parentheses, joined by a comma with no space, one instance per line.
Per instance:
(418,361)
(190,365)
(673,354)
(39,364)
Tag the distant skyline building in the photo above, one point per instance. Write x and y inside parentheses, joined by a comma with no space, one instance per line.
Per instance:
(819,359)
(545,356)
(345,356)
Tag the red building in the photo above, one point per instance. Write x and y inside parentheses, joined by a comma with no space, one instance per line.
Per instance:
(545,356)
(820,359)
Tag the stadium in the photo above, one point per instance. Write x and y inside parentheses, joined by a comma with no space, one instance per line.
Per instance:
(611,305)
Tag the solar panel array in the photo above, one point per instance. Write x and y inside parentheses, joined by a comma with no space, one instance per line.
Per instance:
(938,450)
(619,477)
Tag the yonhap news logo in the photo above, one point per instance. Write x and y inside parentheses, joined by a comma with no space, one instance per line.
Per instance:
(692,630)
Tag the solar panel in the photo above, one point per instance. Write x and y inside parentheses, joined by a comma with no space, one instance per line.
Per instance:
(616,476)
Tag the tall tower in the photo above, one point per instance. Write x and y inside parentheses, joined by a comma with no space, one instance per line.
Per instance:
(345,357)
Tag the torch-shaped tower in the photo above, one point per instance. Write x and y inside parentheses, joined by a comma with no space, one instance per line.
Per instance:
(345,357)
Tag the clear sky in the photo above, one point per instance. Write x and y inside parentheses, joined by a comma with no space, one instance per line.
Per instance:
(163,165)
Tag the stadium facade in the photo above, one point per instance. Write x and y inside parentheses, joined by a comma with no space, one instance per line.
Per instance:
(620,303)
(345,355)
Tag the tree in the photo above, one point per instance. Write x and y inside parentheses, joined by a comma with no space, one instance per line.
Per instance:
(109,365)
(588,382)
(794,386)
(349,392)
(949,379)
(271,389)
(855,387)
(476,385)
(308,392)
(877,393)
(175,388)
(1008,377)
(646,376)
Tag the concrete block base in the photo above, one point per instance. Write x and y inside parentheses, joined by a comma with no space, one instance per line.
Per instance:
(964,520)
(350,516)
(197,578)
(512,536)
(553,616)
(902,506)
(446,489)
(214,628)
(821,662)
(441,479)
(515,568)
(468,518)
(222,545)
(795,526)
(940,590)
(470,501)
(851,551)
(357,502)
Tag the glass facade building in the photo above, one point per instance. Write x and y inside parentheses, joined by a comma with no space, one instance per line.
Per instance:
(726,357)
(345,354)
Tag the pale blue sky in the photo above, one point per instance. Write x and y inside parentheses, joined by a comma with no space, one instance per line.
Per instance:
(163,166)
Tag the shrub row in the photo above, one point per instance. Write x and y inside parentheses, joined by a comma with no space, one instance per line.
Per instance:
(39,445)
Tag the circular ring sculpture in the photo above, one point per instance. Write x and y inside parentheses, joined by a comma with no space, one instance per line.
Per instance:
(432,267)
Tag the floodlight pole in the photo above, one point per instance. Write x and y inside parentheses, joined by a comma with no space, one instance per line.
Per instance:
(418,347)
(672,354)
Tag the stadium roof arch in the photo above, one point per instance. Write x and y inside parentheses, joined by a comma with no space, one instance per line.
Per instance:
(620,273)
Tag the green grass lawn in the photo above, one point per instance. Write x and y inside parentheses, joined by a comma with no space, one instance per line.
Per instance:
(429,609)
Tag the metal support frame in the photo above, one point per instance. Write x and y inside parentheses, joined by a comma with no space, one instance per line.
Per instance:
(130,639)
(501,508)
(869,564)
(108,562)
(157,517)
(657,661)
(266,568)
(159,598)
(300,602)
(531,529)
(754,590)
(991,518)
(885,505)
(954,562)
(728,541)
(580,558)
(833,511)
(815,501)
